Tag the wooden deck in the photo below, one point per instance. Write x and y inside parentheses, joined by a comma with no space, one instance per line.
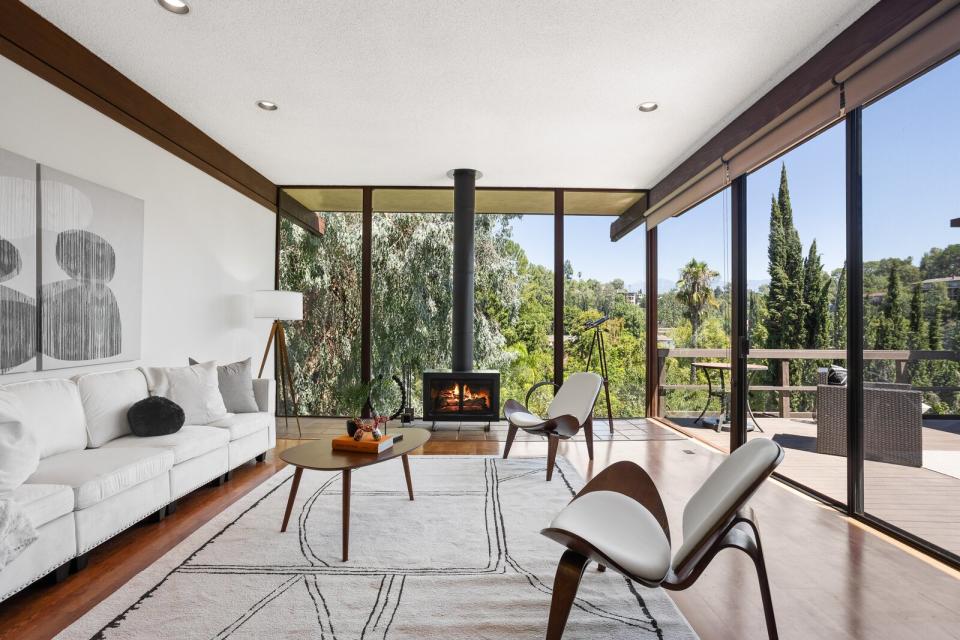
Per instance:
(923,501)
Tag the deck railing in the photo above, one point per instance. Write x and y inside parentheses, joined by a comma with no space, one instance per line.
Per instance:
(782,358)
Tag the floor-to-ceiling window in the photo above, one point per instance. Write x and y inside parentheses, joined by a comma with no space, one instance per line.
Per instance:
(693,332)
(323,263)
(797,309)
(911,276)
(604,279)
(514,299)
(412,262)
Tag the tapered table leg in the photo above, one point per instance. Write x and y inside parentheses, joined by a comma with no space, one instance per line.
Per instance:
(293,496)
(406,472)
(346,513)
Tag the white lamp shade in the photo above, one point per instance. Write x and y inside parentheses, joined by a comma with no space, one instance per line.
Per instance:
(278,305)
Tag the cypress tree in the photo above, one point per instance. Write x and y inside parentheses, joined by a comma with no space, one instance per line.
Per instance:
(893,328)
(792,321)
(935,341)
(840,311)
(918,324)
(776,258)
(816,304)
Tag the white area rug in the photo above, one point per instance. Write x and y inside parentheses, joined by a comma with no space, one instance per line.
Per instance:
(464,560)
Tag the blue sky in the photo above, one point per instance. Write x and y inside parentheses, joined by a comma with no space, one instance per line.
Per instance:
(911,184)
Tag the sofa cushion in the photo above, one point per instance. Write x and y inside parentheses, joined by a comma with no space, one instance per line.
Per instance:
(236,386)
(19,451)
(106,397)
(190,442)
(97,474)
(53,412)
(43,503)
(195,388)
(241,425)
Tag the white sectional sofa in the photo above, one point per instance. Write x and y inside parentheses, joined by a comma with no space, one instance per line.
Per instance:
(96,478)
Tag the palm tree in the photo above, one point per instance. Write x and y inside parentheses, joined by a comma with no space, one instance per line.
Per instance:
(695,293)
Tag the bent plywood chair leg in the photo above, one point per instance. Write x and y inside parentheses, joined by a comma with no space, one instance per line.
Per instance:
(588,433)
(552,443)
(511,434)
(565,585)
(756,553)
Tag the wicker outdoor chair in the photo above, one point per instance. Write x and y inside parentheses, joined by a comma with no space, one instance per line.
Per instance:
(892,421)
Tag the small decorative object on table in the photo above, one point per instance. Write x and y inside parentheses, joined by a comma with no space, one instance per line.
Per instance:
(368,425)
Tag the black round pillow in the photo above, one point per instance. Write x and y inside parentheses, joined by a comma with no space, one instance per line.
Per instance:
(155,416)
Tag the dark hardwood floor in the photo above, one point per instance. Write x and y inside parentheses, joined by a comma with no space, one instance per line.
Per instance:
(831,577)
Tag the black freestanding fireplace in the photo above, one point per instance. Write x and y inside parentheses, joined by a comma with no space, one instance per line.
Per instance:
(462,393)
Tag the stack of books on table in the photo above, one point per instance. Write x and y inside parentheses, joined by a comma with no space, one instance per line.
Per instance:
(365,445)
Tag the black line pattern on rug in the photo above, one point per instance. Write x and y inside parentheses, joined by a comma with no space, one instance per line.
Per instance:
(388,601)
(227,631)
(305,548)
(313,588)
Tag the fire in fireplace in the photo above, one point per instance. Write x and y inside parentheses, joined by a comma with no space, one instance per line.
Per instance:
(466,395)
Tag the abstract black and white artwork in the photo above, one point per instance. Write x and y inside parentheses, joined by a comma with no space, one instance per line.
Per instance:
(18,263)
(91,272)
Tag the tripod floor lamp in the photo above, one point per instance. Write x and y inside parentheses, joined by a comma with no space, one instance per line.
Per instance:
(280,306)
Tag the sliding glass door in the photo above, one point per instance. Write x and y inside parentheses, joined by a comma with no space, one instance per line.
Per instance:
(911,338)
(796,281)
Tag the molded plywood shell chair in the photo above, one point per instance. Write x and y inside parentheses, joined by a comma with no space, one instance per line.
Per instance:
(618,521)
(570,410)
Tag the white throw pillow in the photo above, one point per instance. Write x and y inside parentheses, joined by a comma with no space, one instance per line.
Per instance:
(19,450)
(195,388)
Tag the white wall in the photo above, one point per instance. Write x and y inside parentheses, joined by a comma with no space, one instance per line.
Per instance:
(206,247)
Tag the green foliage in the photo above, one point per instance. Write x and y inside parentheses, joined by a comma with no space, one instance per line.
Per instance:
(354,397)
(940,263)
(412,308)
(324,348)
(876,273)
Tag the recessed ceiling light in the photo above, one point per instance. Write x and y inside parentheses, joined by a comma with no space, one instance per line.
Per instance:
(647,107)
(174,6)
(266,105)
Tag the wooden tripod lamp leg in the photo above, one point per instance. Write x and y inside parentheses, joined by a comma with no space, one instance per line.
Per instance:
(266,352)
(286,372)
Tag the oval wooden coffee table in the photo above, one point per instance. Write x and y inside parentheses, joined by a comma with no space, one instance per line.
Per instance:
(320,456)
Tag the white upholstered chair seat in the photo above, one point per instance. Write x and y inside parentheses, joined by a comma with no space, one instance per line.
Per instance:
(97,474)
(43,503)
(621,529)
(189,442)
(242,425)
(524,419)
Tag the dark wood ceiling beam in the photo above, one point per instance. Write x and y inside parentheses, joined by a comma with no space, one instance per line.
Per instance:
(299,214)
(34,43)
(880,22)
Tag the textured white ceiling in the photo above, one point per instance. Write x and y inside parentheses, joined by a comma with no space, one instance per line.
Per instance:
(395,92)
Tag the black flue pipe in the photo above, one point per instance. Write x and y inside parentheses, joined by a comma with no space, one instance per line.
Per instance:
(464,210)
